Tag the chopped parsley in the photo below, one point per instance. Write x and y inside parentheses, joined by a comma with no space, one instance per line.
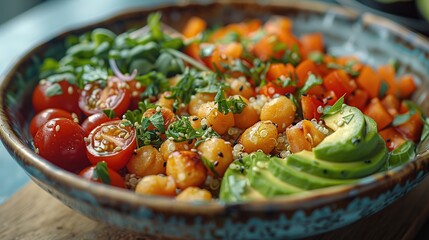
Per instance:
(231,104)
(182,130)
(331,110)
(101,172)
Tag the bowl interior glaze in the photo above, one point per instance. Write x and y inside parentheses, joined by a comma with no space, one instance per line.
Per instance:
(374,40)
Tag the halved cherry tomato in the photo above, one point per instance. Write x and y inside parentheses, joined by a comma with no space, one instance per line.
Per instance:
(93,174)
(61,141)
(136,90)
(62,95)
(115,96)
(46,115)
(112,142)
(95,120)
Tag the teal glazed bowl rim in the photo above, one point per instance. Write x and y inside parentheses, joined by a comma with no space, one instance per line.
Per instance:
(293,216)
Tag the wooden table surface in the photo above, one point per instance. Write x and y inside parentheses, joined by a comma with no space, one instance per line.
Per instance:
(33,214)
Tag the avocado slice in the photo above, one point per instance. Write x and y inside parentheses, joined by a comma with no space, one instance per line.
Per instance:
(348,142)
(235,188)
(263,181)
(294,176)
(307,162)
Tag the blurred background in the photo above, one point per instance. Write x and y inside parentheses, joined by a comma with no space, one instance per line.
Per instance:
(9,9)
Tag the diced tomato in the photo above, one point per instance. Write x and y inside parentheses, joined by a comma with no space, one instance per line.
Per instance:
(387,74)
(358,99)
(412,128)
(406,86)
(193,27)
(392,138)
(297,140)
(329,98)
(311,107)
(369,81)
(376,111)
(339,82)
(311,42)
(391,104)
(304,69)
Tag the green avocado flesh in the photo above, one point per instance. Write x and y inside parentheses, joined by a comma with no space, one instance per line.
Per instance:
(353,151)
(349,126)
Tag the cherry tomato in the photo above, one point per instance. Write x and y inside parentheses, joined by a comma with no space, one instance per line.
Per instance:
(136,90)
(95,98)
(111,142)
(95,120)
(103,174)
(62,95)
(46,115)
(61,141)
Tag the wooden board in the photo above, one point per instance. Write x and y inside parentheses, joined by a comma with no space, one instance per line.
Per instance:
(34,214)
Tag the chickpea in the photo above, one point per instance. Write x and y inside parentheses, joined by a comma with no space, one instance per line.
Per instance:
(170,146)
(186,168)
(215,119)
(247,117)
(263,135)
(157,185)
(197,100)
(218,152)
(240,86)
(194,194)
(167,114)
(146,161)
(280,111)
(164,101)
(195,122)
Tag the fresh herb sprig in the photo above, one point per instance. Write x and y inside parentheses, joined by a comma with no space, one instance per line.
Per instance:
(331,110)
(231,104)
(182,130)
(101,173)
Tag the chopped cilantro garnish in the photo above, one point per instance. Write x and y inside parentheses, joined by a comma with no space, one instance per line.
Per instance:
(182,130)
(330,110)
(311,81)
(231,104)
(383,89)
(210,166)
(158,121)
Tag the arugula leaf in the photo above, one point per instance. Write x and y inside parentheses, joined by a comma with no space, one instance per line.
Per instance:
(312,81)
(231,104)
(101,172)
(109,113)
(158,121)
(330,110)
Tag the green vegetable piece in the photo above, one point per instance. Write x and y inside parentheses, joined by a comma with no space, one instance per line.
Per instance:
(402,154)
(81,50)
(149,51)
(100,35)
(101,172)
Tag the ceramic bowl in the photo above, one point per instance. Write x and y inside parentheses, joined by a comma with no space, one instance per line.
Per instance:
(373,39)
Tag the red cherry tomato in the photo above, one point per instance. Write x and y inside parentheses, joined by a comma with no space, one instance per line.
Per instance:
(62,95)
(115,96)
(111,142)
(136,90)
(46,115)
(61,141)
(102,174)
(95,120)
